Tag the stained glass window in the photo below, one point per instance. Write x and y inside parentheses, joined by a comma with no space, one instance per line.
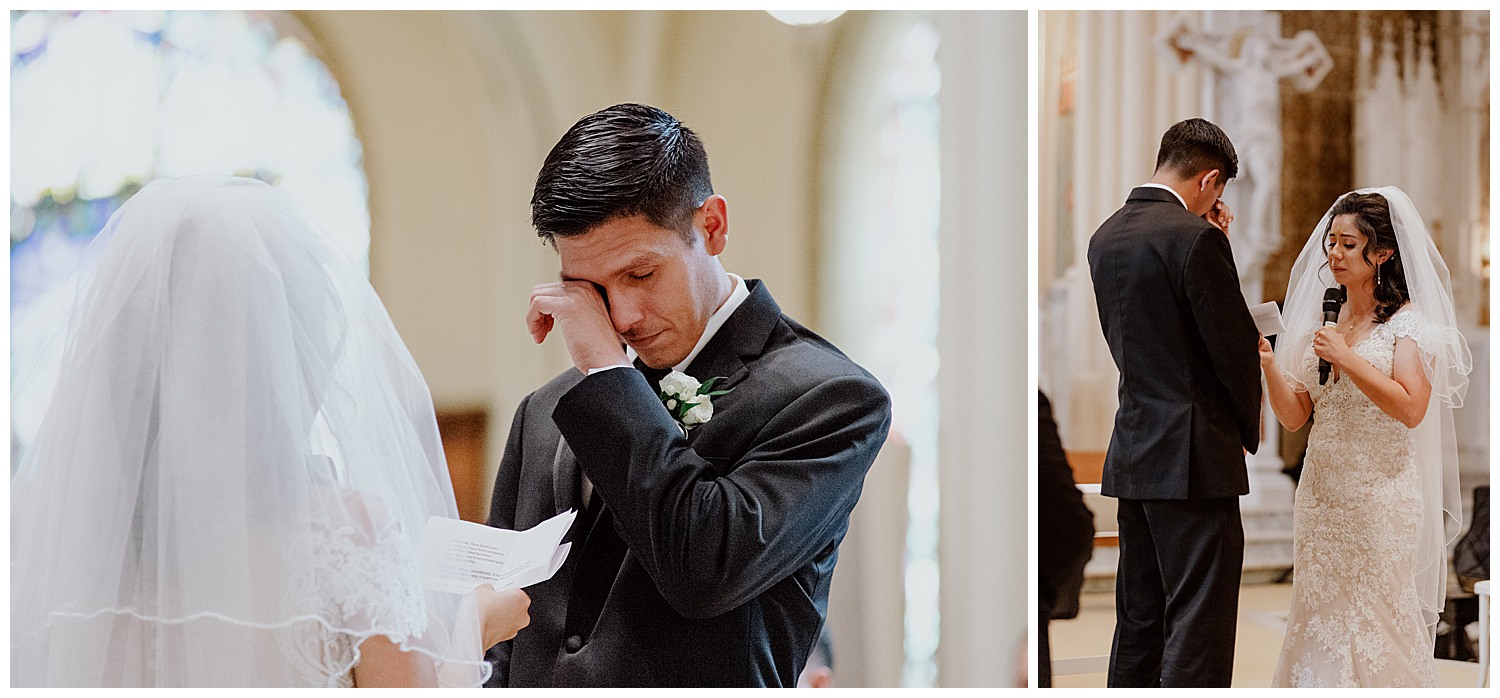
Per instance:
(104,102)
(912,144)
(905,354)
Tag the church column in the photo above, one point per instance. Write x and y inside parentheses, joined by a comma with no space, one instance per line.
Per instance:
(1086,401)
(1471,227)
(982,338)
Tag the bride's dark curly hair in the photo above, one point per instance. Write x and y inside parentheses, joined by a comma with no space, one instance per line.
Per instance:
(1372,216)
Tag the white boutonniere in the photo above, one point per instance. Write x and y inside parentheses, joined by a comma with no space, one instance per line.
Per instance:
(688,401)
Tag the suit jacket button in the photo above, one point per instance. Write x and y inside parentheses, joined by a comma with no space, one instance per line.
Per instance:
(573,644)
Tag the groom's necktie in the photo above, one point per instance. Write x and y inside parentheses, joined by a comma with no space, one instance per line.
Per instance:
(653,375)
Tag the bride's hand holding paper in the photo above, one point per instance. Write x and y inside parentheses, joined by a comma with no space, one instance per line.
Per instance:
(1267,353)
(502,614)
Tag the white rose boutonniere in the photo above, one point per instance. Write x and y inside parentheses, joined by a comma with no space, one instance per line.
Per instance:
(688,401)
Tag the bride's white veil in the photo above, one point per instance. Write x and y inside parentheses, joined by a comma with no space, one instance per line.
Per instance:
(1445,358)
(236,465)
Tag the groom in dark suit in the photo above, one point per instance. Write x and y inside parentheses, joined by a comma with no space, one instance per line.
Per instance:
(1186,347)
(703,550)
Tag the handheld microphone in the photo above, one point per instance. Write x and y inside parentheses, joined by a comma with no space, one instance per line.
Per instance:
(1332,299)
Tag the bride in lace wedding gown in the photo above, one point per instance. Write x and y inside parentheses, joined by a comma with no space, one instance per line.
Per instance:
(235,469)
(1376,486)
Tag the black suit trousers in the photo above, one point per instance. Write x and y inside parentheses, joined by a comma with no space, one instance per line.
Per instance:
(1177,592)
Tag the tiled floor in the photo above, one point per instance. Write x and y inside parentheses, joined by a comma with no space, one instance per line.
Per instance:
(1257,639)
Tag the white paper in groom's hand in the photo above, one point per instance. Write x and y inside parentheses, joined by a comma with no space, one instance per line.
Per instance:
(1267,319)
(457,555)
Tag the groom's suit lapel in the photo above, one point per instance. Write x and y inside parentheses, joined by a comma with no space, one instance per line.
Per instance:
(742,338)
(565,487)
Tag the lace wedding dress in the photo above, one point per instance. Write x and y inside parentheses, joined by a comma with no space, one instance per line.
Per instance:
(1356,618)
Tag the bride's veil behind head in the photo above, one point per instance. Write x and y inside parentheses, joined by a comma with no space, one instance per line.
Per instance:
(1445,359)
(237,463)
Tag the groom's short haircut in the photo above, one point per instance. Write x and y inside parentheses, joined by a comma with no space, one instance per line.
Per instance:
(1194,146)
(627,160)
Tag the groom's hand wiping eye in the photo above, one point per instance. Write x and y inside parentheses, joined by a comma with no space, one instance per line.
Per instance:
(579,310)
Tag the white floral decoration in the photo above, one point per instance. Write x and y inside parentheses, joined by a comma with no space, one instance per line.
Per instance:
(687,400)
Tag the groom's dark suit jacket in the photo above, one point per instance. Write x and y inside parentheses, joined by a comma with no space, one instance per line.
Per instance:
(709,561)
(1181,335)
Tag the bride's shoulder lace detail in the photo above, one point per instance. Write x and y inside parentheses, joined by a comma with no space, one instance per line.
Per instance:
(352,582)
(1407,322)
(1431,338)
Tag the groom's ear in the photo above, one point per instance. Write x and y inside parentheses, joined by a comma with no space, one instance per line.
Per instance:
(711,220)
(1208,181)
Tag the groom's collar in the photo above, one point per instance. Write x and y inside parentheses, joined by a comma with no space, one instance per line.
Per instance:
(743,336)
(1139,194)
(716,321)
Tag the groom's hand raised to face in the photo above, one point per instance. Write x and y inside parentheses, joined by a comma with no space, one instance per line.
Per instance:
(578,310)
(1219,215)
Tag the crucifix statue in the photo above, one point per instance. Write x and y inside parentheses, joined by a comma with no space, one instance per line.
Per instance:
(1253,62)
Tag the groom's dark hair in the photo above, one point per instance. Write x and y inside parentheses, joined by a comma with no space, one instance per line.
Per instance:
(627,160)
(1194,146)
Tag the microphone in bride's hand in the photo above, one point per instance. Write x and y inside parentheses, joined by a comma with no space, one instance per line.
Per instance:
(1332,299)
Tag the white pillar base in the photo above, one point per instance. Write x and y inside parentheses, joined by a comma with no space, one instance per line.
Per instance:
(1266,512)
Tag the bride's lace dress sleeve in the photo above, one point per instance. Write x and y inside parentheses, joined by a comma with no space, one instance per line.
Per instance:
(1408,322)
(357,579)
(1445,354)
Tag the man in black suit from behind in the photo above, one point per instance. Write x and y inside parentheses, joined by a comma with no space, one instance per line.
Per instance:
(1180,333)
(704,549)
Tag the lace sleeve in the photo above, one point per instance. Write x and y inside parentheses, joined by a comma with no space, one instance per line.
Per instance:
(1445,353)
(356,579)
(1406,323)
(1430,338)
(1300,370)
(374,584)
(1292,380)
